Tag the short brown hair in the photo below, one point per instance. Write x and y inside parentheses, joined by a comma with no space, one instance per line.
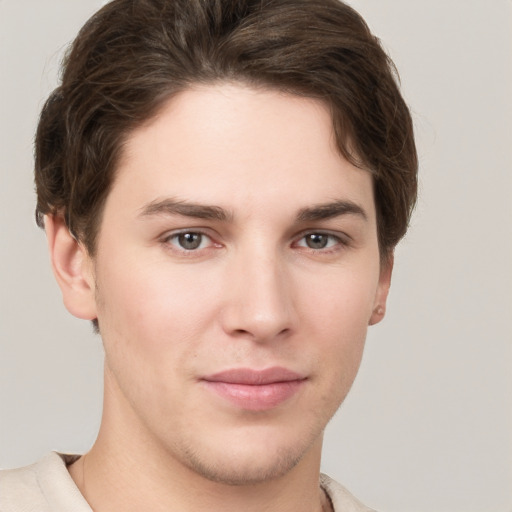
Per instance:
(133,55)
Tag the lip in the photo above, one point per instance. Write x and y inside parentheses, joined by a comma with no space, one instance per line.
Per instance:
(255,390)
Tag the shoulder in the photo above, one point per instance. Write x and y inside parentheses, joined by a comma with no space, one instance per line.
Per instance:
(19,490)
(41,487)
(341,499)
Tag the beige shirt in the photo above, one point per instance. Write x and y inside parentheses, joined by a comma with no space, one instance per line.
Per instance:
(47,486)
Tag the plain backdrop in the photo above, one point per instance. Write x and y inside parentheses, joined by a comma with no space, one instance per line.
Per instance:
(428,424)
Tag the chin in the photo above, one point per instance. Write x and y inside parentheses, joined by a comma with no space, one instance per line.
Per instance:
(248,455)
(237,469)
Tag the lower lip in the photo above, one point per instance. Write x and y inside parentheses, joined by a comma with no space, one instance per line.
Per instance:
(256,397)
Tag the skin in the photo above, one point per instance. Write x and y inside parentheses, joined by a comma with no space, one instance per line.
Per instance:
(260,290)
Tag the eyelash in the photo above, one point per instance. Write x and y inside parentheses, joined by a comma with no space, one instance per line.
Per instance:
(336,242)
(168,240)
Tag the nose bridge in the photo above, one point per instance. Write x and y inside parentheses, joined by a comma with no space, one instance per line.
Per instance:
(260,299)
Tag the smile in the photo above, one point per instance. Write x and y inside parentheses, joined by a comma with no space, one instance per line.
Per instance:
(255,390)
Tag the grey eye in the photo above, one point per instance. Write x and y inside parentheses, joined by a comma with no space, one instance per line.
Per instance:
(317,240)
(189,241)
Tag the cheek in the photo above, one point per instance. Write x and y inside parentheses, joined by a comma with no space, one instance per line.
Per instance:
(151,325)
(151,309)
(338,321)
(341,303)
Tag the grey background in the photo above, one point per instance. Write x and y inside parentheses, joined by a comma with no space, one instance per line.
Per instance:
(428,424)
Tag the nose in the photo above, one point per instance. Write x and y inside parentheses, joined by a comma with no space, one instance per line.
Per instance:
(259,300)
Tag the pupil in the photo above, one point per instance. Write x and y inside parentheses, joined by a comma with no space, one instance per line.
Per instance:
(189,241)
(316,241)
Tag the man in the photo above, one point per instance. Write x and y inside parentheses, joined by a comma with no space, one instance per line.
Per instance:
(222,184)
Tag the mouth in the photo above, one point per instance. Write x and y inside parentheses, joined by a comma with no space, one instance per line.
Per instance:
(255,390)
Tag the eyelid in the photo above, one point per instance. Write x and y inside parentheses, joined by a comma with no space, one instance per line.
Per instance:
(168,236)
(343,239)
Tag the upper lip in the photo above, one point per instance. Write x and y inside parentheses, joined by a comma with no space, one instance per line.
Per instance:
(252,377)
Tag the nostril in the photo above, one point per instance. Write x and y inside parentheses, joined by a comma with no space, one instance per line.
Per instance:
(241,332)
(261,334)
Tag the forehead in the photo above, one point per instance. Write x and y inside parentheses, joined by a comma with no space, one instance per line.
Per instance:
(237,147)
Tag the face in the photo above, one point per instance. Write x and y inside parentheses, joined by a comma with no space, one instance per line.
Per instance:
(236,273)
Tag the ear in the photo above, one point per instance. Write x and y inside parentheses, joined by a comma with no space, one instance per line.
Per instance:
(381,295)
(72,267)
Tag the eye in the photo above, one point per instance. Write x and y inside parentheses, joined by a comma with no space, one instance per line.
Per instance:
(189,240)
(319,241)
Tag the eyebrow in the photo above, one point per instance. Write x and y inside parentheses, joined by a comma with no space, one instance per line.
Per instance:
(175,207)
(331,210)
(210,212)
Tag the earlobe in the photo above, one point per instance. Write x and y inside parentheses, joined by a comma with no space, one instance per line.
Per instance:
(72,267)
(381,295)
